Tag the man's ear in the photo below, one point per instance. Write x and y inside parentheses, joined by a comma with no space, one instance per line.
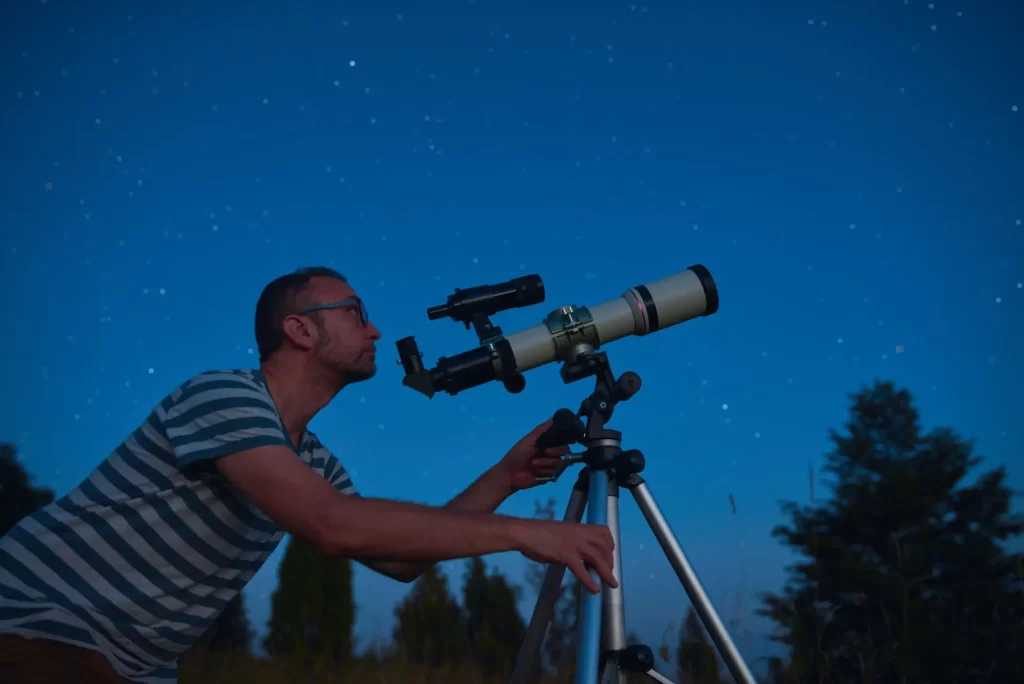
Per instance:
(300,331)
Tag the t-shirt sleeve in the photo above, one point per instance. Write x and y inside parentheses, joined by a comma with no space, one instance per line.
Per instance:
(215,414)
(336,474)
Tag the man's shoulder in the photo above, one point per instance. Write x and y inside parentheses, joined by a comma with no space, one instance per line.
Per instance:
(229,378)
(214,387)
(249,376)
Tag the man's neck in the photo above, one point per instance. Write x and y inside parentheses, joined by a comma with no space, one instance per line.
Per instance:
(299,395)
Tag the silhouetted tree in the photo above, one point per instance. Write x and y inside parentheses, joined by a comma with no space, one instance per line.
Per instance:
(18,497)
(230,632)
(696,658)
(496,628)
(431,627)
(222,644)
(312,609)
(904,577)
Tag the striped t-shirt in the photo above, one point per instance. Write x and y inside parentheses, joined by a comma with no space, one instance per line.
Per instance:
(140,558)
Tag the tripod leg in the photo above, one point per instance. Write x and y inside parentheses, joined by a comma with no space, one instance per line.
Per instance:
(613,607)
(701,603)
(589,633)
(544,609)
(656,676)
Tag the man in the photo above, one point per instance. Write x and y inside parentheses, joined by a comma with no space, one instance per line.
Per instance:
(118,578)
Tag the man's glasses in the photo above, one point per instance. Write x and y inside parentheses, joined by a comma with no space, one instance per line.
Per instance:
(346,303)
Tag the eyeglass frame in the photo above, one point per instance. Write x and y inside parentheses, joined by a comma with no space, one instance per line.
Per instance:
(351,301)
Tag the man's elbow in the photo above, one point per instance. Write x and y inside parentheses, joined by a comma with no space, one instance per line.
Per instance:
(404,576)
(410,575)
(406,573)
(330,538)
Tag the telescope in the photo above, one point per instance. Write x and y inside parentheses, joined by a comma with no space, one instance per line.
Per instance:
(562,336)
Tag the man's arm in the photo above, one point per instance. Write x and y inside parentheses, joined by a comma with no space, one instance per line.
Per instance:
(483,496)
(305,504)
(226,419)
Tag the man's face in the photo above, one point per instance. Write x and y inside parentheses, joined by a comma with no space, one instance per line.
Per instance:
(344,345)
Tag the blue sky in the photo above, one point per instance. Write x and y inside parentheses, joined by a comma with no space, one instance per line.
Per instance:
(850,175)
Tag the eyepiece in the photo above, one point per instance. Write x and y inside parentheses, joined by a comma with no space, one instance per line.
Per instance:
(409,355)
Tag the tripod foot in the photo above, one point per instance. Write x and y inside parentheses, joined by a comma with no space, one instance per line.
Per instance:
(637,659)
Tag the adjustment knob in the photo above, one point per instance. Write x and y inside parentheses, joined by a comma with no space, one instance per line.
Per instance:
(626,386)
(515,383)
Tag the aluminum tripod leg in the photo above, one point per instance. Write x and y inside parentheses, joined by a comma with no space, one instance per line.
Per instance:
(613,608)
(618,660)
(588,637)
(698,598)
(543,611)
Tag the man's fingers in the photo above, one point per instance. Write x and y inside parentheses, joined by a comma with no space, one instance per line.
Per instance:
(603,570)
(580,570)
(556,451)
(546,462)
(603,548)
(603,566)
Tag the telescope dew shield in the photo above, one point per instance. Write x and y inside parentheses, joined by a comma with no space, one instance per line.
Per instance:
(640,310)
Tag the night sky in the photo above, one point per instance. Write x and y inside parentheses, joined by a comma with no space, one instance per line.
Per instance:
(850,174)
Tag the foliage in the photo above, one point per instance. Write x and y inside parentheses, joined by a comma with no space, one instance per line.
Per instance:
(904,577)
(18,497)
(696,659)
(312,609)
(496,628)
(431,629)
(230,632)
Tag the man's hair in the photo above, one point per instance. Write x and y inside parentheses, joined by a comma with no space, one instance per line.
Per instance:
(280,298)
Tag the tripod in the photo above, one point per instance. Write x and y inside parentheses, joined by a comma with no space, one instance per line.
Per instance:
(607,470)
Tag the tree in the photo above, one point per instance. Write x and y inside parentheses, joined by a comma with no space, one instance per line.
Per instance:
(904,577)
(230,632)
(224,641)
(496,629)
(18,497)
(312,609)
(431,627)
(696,658)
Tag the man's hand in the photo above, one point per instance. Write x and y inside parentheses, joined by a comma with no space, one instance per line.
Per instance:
(524,464)
(572,545)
